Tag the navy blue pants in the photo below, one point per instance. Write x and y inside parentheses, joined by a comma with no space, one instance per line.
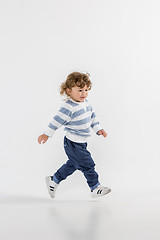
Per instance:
(78,158)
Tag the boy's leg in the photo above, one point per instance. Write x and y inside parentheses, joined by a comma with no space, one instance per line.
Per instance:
(79,158)
(82,160)
(91,176)
(64,171)
(87,167)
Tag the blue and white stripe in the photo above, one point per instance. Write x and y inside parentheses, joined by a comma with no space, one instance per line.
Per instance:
(77,118)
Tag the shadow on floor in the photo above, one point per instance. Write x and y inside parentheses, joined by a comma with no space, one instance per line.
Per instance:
(26,199)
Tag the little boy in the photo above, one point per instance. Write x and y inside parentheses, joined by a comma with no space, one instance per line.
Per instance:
(77,115)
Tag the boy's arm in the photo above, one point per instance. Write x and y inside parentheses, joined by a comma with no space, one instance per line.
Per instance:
(61,118)
(95,125)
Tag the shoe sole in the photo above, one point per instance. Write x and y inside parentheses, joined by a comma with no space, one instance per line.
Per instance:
(99,195)
(48,187)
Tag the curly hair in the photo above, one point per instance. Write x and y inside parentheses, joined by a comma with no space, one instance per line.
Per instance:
(75,79)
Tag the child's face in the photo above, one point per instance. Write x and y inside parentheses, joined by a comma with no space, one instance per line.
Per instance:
(78,94)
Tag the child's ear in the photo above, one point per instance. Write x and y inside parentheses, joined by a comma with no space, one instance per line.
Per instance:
(68,91)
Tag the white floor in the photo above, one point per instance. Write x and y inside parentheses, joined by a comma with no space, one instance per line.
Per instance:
(116,216)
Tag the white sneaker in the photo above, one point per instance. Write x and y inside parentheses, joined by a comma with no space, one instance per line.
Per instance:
(51,186)
(100,191)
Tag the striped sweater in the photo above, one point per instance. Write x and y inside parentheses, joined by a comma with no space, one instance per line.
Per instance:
(77,117)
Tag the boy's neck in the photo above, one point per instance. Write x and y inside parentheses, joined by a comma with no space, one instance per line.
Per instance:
(77,101)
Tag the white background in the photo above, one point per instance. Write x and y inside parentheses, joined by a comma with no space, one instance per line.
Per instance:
(117,42)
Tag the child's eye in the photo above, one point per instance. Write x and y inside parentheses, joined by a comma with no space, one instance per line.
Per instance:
(80,90)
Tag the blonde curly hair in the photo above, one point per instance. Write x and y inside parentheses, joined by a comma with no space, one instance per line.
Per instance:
(75,79)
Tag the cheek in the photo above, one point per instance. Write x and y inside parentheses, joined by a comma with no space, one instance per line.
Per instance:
(76,94)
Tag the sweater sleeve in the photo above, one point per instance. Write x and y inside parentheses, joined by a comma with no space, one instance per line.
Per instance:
(61,118)
(95,125)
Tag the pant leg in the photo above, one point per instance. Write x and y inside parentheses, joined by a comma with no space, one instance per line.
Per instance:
(82,160)
(91,176)
(64,171)
(87,167)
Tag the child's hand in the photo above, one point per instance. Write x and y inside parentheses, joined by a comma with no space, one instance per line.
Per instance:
(42,138)
(102,132)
